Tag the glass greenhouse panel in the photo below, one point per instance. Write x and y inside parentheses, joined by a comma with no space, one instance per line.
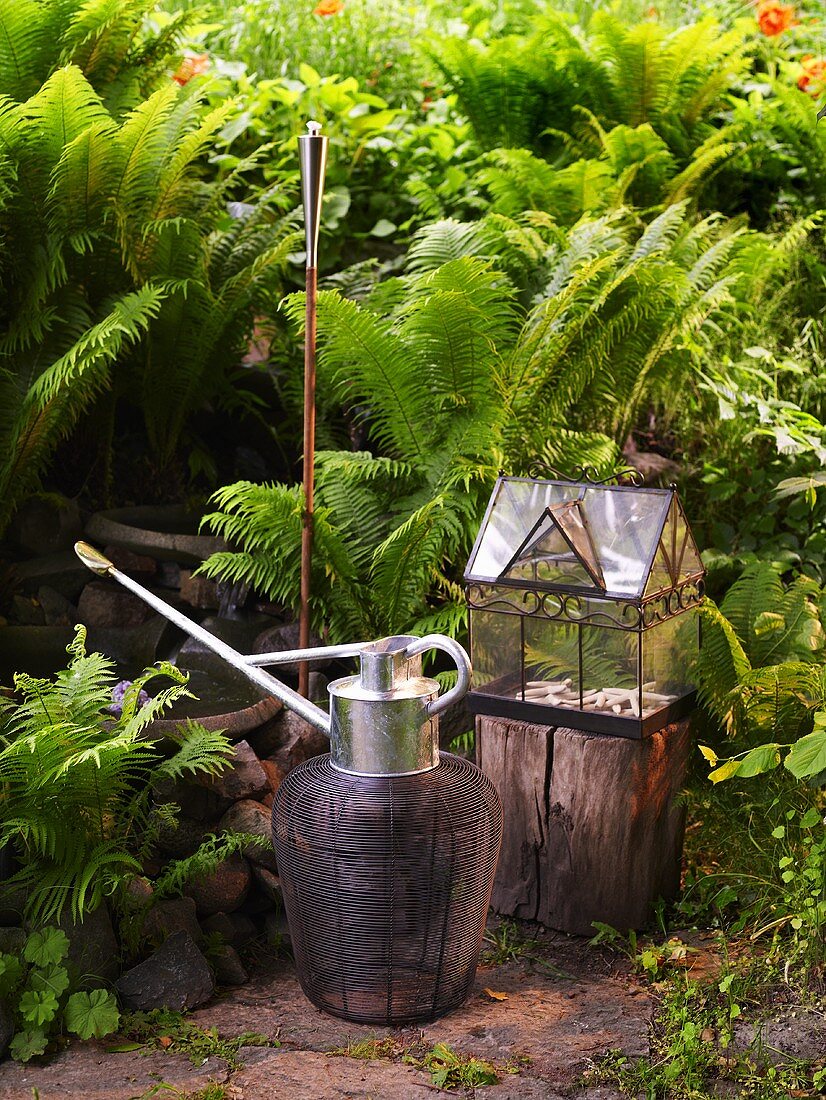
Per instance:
(594,580)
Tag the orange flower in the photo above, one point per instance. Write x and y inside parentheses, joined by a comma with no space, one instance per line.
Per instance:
(191,66)
(328,7)
(813,77)
(773,18)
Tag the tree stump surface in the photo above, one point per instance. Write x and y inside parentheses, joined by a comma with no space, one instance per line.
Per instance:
(593,824)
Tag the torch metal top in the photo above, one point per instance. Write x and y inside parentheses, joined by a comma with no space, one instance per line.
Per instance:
(312,155)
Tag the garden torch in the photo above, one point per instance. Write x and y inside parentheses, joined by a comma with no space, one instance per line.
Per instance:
(312,152)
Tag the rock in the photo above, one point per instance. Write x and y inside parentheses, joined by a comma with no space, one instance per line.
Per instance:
(6,1027)
(199,591)
(139,566)
(176,976)
(239,633)
(94,954)
(12,941)
(46,524)
(57,610)
(168,574)
(84,1070)
(275,774)
(63,572)
(247,816)
(165,918)
(105,604)
(243,778)
(224,889)
(27,611)
(794,1034)
(269,884)
(284,637)
(130,647)
(317,684)
(139,891)
(267,738)
(236,929)
(299,741)
(183,838)
(207,797)
(229,970)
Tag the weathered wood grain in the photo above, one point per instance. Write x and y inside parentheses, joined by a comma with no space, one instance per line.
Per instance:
(593,824)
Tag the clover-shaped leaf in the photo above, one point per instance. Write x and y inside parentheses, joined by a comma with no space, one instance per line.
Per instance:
(26,1044)
(94,1013)
(46,947)
(38,1007)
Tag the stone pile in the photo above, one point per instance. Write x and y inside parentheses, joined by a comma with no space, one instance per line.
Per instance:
(224,910)
(188,942)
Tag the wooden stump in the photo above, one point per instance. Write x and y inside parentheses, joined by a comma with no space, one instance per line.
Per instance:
(593,824)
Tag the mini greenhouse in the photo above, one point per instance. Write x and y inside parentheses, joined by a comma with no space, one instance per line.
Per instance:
(583,603)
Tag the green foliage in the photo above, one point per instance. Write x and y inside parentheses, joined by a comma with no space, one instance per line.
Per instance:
(168,1030)
(449,1070)
(450,378)
(78,807)
(36,994)
(209,855)
(120,258)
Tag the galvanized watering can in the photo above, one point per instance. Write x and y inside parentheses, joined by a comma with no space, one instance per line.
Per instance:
(386,847)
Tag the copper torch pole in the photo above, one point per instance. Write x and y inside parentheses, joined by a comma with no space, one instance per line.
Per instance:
(312,151)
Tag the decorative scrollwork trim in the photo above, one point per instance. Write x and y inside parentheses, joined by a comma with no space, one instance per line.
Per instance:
(587,474)
(580,611)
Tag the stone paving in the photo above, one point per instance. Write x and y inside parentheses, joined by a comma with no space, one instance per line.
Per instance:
(565,1005)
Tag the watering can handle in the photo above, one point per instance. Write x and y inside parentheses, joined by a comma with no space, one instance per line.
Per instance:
(459,655)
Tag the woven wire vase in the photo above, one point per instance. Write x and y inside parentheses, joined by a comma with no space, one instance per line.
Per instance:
(387,882)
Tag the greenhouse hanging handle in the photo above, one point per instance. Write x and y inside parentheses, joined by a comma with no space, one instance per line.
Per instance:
(459,655)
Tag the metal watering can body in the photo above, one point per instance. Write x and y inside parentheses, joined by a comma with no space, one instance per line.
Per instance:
(386,847)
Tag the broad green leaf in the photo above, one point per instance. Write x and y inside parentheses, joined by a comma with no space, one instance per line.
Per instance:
(55,978)
(383,228)
(808,756)
(11,970)
(46,947)
(94,1013)
(811,818)
(730,768)
(28,1044)
(38,1007)
(759,760)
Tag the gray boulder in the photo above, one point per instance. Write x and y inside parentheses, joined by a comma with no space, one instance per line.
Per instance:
(175,976)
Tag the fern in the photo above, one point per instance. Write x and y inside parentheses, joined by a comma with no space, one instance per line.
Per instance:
(77,798)
(762,669)
(209,856)
(111,232)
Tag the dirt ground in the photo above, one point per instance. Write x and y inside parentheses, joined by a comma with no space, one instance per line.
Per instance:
(554,1010)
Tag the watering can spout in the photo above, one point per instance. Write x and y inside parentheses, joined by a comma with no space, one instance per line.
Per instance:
(382,722)
(271,685)
(93,559)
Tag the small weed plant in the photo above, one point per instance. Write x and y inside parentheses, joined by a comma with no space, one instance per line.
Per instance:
(449,1070)
(163,1029)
